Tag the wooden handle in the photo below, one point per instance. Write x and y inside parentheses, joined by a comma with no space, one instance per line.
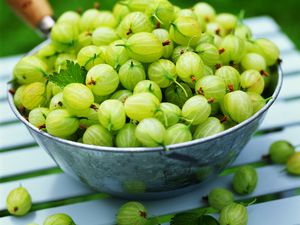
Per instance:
(33,11)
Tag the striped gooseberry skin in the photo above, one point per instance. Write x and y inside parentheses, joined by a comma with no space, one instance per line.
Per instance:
(132,213)
(133,23)
(232,49)
(87,20)
(257,100)
(230,76)
(64,36)
(37,117)
(169,114)
(196,110)
(131,73)
(104,36)
(162,72)
(180,50)
(185,31)
(211,87)
(59,218)
(205,11)
(161,13)
(228,21)
(293,164)
(167,43)
(61,123)
(177,133)
(111,114)
(77,97)
(254,61)
(56,102)
(140,106)
(148,86)
(252,81)
(18,201)
(268,50)
(150,132)
(34,95)
(115,55)
(90,56)
(121,95)
(190,67)
(102,79)
(234,214)
(30,69)
(209,127)
(97,135)
(209,54)
(144,47)
(126,136)
(105,19)
(70,17)
(120,11)
(238,106)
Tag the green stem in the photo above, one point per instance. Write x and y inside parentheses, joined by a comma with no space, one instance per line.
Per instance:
(121,45)
(268,99)
(184,91)
(155,16)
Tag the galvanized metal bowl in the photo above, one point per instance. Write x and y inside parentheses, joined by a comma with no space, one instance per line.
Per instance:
(148,173)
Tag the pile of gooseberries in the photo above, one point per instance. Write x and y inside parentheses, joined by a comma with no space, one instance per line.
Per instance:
(154,75)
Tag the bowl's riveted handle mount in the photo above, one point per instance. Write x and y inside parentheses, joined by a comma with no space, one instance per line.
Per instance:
(37,13)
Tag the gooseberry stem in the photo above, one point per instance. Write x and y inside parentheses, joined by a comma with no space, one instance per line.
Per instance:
(155,16)
(182,88)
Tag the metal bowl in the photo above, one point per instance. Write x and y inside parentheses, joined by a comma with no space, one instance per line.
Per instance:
(148,173)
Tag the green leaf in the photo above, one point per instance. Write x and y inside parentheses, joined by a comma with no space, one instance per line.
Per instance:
(207,220)
(73,74)
(187,218)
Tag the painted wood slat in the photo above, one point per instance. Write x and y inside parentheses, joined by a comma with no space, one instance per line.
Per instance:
(290,87)
(3,90)
(6,114)
(262,25)
(25,161)
(102,212)
(282,114)
(290,62)
(14,135)
(259,145)
(6,66)
(46,188)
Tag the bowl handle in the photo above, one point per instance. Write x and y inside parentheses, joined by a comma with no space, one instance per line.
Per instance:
(37,13)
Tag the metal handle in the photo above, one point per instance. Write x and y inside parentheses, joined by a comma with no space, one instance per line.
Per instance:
(37,13)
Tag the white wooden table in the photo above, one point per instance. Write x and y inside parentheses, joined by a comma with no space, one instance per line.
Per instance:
(22,161)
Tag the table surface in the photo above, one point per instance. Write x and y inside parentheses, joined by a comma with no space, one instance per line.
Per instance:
(23,162)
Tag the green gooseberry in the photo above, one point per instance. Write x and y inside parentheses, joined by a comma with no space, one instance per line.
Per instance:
(280,151)
(293,164)
(59,219)
(126,136)
(177,133)
(252,81)
(18,201)
(244,180)
(169,114)
(209,127)
(235,214)
(132,213)
(238,106)
(219,198)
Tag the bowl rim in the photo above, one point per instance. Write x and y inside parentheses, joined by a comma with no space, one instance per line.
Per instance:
(145,149)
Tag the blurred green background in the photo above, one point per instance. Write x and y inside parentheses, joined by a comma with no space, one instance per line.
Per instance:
(16,37)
